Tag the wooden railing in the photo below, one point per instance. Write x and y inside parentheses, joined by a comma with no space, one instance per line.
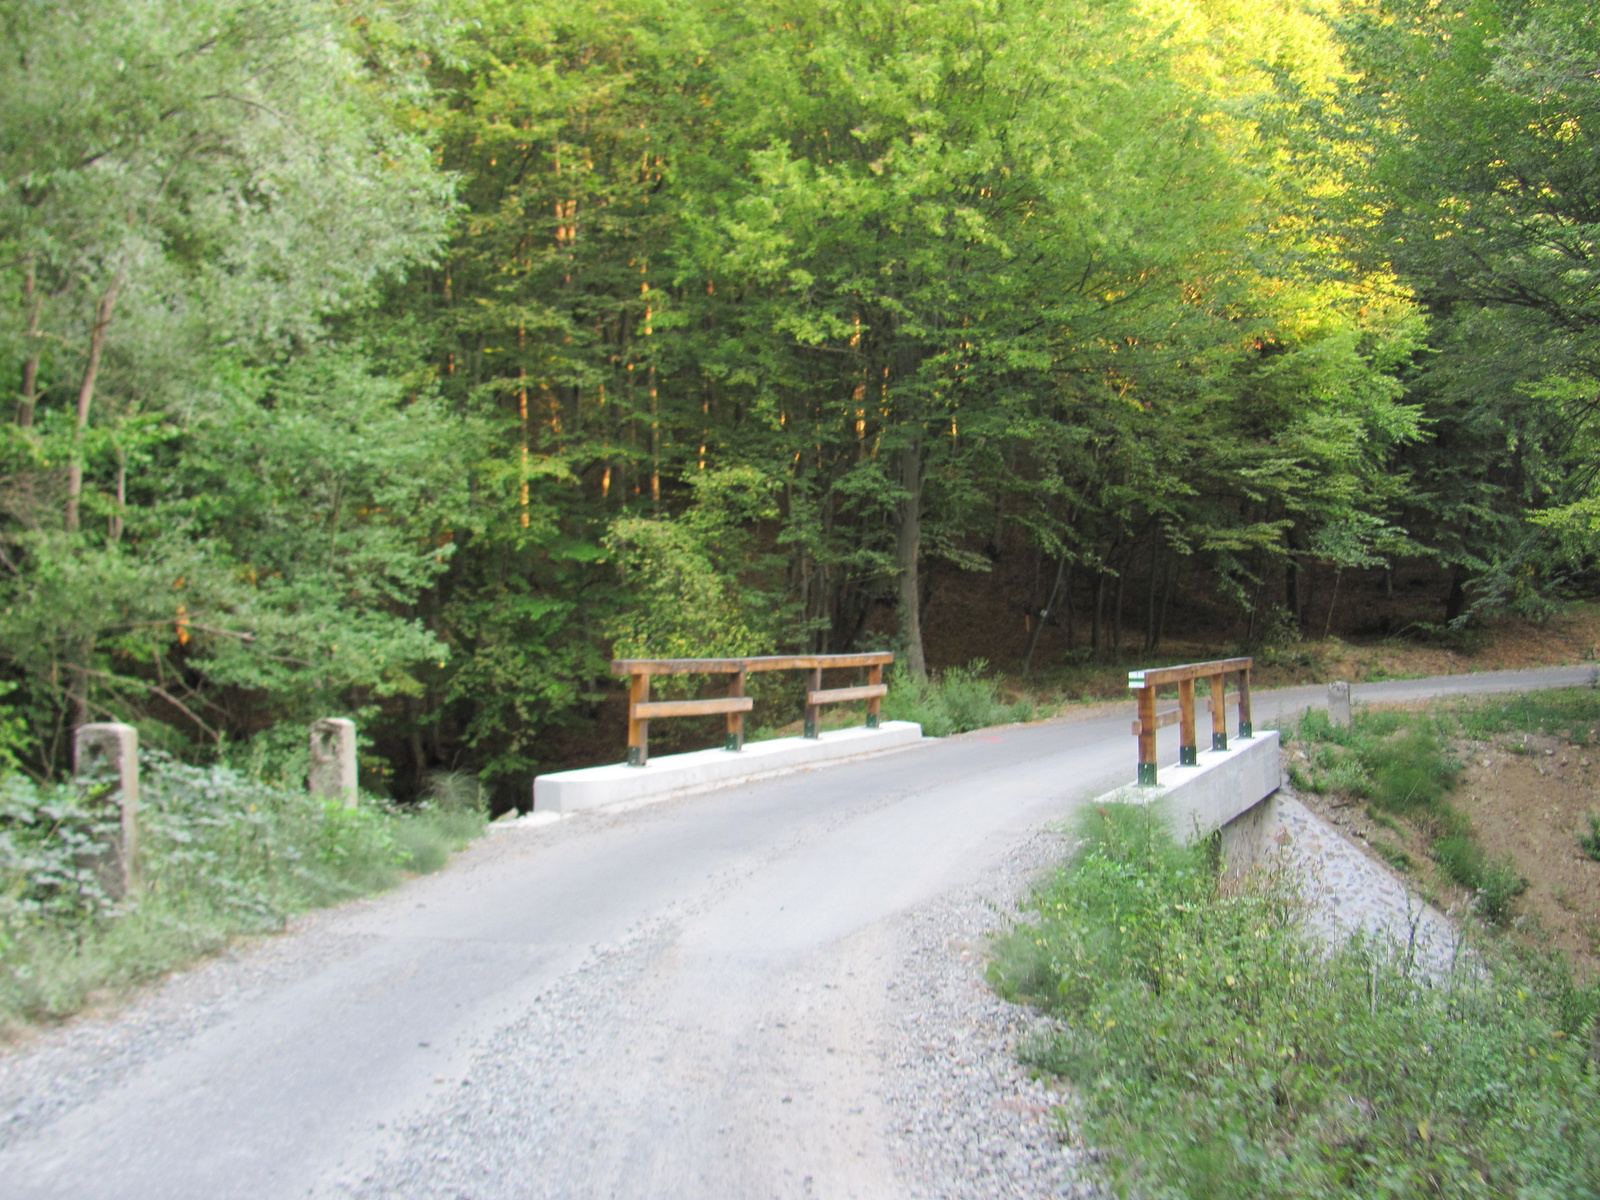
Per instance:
(642,710)
(1148,682)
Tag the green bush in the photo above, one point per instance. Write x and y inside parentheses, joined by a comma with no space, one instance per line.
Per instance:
(1589,842)
(956,700)
(1222,1050)
(223,854)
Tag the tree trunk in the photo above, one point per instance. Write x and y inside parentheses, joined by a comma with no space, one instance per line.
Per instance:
(122,496)
(1456,603)
(908,556)
(1096,630)
(1169,585)
(1044,615)
(91,372)
(1116,610)
(1150,597)
(30,365)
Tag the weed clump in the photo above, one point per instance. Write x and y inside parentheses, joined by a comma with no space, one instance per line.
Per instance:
(1589,842)
(1222,1050)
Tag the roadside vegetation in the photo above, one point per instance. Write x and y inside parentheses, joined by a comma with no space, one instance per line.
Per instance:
(1222,1050)
(1402,767)
(224,854)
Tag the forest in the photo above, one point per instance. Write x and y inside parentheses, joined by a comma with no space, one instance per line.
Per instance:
(408,361)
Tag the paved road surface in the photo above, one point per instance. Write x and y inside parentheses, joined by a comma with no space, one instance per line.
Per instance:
(676,1001)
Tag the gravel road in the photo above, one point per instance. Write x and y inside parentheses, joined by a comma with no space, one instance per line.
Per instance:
(765,991)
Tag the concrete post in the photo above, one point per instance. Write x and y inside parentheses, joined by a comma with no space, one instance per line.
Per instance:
(118,747)
(1339,704)
(333,759)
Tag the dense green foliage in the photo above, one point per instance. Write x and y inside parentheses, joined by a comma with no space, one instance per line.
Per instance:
(1222,1051)
(407,361)
(223,854)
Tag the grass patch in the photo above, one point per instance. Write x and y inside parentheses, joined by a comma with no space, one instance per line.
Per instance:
(1221,1051)
(1572,714)
(223,854)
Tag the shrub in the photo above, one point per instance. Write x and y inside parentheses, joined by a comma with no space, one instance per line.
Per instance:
(956,700)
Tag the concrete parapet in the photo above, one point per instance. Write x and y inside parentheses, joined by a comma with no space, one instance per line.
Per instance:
(115,747)
(701,770)
(333,759)
(1231,790)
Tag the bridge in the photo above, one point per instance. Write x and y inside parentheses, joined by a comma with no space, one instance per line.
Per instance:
(690,998)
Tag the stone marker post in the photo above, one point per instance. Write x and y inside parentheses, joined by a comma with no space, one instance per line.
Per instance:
(1339,704)
(117,746)
(333,759)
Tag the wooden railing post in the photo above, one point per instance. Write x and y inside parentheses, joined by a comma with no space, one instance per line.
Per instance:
(1150,680)
(1147,736)
(874,705)
(1219,712)
(736,719)
(638,730)
(1188,747)
(813,711)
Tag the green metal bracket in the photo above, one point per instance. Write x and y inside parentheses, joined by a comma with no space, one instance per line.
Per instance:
(872,720)
(1219,741)
(1245,730)
(811,728)
(1147,775)
(734,742)
(634,759)
(1188,756)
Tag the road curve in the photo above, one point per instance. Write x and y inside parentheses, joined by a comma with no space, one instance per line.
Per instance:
(680,1000)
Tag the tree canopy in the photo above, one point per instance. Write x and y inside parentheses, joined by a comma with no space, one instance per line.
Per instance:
(407,361)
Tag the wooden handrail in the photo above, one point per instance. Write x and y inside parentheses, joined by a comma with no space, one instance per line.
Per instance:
(1149,681)
(1161,676)
(759,662)
(641,710)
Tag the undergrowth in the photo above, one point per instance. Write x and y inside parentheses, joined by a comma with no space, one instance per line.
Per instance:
(223,854)
(955,700)
(1221,1050)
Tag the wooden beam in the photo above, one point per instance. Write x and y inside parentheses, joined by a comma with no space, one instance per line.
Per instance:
(1170,717)
(692,708)
(871,691)
(1219,711)
(638,729)
(730,666)
(1161,676)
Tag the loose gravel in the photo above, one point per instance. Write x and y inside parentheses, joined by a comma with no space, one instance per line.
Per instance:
(970,1121)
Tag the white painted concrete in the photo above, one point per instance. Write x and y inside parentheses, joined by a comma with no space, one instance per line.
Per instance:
(701,770)
(1225,784)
